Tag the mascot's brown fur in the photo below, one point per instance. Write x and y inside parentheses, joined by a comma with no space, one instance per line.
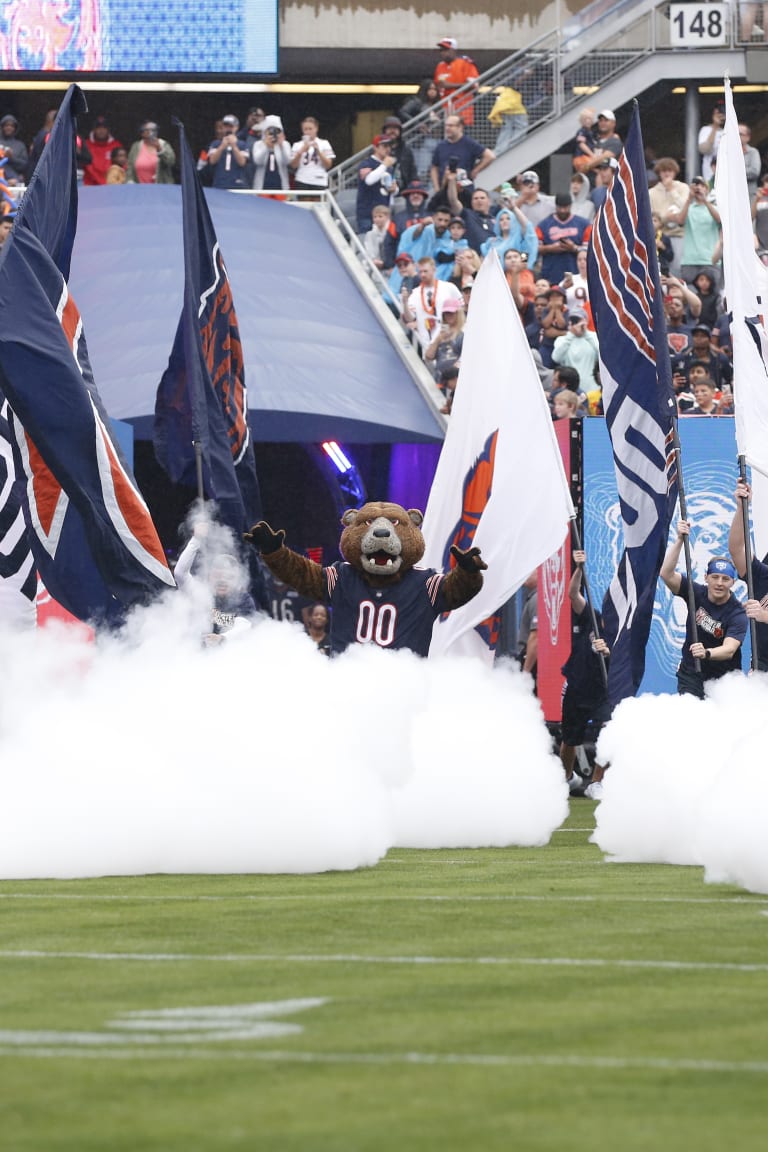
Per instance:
(383,543)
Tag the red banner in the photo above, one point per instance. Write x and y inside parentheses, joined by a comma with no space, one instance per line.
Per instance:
(554,608)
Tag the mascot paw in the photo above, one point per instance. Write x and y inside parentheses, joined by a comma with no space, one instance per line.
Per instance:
(469,559)
(264,539)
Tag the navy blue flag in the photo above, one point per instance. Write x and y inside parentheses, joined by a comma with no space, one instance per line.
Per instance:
(91,534)
(16,561)
(202,398)
(638,399)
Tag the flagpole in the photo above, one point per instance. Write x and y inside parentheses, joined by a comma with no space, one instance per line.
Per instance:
(748,557)
(588,597)
(686,539)
(199,470)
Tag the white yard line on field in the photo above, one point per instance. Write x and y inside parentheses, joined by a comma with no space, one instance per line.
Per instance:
(353,958)
(597,1063)
(396,898)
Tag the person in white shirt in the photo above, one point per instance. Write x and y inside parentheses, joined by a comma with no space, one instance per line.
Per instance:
(423,308)
(311,158)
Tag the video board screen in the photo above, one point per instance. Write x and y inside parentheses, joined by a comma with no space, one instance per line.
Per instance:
(135,36)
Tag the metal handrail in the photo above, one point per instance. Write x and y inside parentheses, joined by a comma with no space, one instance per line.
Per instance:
(571,63)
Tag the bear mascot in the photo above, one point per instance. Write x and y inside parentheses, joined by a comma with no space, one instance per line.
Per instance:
(376,594)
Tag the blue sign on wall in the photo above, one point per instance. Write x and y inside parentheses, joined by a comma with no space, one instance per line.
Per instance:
(217,36)
(708,450)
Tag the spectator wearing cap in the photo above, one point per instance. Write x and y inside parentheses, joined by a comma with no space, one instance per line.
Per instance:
(560,235)
(457,161)
(667,199)
(715,363)
(101,144)
(513,230)
(405,274)
(150,159)
(375,181)
(603,176)
(716,632)
(271,156)
(405,164)
(701,230)
(451,73)
(578,349)
(311,158)
(531,201)
(14,151)
(709,139)
(226,159)
(444,350)
(415,197)
(457,230)
(607,142)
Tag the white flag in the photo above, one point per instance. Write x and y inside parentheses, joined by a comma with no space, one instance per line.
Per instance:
(746,298)
(500,484)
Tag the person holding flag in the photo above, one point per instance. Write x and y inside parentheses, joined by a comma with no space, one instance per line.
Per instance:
(716,628)
(757,605)
(639,404)
(585,694)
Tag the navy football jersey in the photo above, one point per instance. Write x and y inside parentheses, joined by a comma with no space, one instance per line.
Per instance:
(399,615)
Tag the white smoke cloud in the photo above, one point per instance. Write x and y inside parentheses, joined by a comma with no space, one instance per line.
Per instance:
(687,782)
(147,753)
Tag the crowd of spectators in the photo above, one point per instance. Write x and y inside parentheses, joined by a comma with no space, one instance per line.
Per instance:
(444,224)
(425,225)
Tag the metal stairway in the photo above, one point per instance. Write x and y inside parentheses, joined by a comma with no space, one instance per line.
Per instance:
(603,57)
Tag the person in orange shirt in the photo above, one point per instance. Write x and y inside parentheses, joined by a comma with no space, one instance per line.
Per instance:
(452,73)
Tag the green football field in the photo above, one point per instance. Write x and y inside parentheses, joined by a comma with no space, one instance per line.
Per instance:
(482,999)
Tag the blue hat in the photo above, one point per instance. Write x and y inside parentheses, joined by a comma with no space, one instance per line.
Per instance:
(721,567)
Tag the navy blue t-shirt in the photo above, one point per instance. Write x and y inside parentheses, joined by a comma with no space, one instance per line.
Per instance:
(466,151)
(715,622)
(399,615)
(583,669)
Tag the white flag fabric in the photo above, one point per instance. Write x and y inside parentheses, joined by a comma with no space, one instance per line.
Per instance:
(746,297)
(500,484)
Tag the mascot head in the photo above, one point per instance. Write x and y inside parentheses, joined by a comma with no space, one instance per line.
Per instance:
(382,540)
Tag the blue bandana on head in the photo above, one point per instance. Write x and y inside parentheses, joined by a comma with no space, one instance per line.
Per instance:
(721,568)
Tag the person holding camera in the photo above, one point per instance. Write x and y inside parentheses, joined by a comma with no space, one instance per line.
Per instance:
(376,183)
(709,139)
(311,158)
(226,158)
(271,157)
(150,159)
(701,230)
(460,155)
